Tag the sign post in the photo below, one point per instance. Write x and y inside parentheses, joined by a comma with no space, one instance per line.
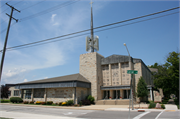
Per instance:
(131,72)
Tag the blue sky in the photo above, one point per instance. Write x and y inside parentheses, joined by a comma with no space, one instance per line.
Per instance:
(150,40)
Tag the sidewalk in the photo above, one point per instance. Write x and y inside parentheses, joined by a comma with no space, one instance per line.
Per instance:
(169,107)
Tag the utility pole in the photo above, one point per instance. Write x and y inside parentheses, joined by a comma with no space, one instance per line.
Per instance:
(7,33)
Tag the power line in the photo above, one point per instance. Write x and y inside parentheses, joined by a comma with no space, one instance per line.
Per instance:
(44,12)
(21,47)
(49,10)
(26,8)
(6,28)
(12,4)
(5,4)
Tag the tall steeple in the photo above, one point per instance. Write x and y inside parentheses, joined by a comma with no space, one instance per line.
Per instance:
(92,43)
(92,33)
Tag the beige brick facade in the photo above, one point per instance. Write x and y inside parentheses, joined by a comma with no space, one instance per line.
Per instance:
(90,68)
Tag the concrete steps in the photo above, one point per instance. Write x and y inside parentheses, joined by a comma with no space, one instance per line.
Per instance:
(112,102)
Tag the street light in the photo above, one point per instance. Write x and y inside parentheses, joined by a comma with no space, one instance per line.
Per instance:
(131,82)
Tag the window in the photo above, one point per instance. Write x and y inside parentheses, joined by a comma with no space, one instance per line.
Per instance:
(39,93)
(27,94)
(16,92)
(9,93)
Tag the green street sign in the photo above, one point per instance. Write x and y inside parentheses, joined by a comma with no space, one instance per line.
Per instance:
(132,72)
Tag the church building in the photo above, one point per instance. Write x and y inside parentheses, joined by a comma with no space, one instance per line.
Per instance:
(105,78)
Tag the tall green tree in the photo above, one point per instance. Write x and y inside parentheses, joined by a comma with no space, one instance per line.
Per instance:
(167,77)
(142,90)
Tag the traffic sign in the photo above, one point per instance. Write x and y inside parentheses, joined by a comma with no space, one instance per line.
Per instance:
(132,72)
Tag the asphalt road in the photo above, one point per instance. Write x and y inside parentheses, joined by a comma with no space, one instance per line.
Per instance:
(90,114)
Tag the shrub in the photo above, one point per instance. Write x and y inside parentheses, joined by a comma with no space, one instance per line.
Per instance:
(49,103)
(16,100)
(60,103)
(80,103)
(162,106)
(86,102)
(64,103)
(91,99)
(5,101)
(38,102)
(152,105)
(31,102)
(25,102)
(69,102)
(43,103)
(75,105)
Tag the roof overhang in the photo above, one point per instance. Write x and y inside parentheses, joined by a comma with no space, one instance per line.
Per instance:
(54,85)
(115,87)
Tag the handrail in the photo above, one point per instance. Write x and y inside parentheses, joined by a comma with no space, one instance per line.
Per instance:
(104,100)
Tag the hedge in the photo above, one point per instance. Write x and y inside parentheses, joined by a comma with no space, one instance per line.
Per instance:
(16,100)
(5,101)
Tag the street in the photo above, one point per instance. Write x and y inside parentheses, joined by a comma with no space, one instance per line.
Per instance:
(86,114)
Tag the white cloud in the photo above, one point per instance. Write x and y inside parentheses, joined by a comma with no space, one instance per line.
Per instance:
(45,77)
(52,17)
(25,80)
(20,62)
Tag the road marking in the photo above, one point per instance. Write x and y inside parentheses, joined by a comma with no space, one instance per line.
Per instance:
(140,115)
(159,115)
(67,113)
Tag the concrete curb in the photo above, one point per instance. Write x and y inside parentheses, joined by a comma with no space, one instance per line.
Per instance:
(91,108)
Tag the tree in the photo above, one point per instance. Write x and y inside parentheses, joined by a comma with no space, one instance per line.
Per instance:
(4,91)
(142,90)
(167,77)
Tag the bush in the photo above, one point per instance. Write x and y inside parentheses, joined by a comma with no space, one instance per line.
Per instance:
(69,102)
(16,100)
(91,99)
(80,103)
(38,102)
(86,102)
(152,105)
(49,103)
(64,104)
(25,102)
(31,102)
(60,103)
(43,103)
(5,101)
(162,106)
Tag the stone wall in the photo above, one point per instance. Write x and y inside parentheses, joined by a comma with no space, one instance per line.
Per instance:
(90,68)
(60,94)
(81,94)
(12,89)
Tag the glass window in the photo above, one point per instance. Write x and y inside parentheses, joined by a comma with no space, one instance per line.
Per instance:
(16,92)
(27,94)
(9,93)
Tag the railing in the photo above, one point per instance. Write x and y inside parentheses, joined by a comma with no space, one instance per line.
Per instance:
(116,101)
(104,100)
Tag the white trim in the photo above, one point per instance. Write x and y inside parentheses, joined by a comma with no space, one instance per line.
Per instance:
(159,115)
(141,115)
